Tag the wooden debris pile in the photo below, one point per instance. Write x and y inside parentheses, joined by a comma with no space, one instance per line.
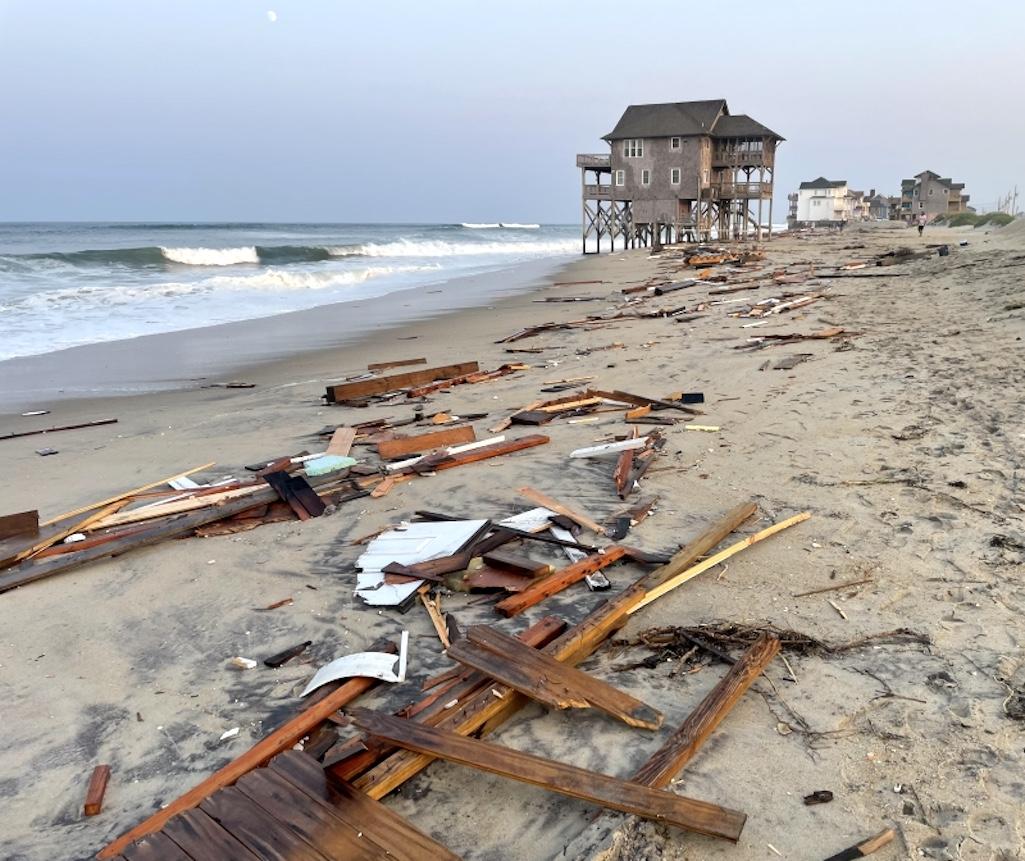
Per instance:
(324,797)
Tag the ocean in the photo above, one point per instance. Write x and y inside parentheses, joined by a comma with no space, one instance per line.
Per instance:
(65,285)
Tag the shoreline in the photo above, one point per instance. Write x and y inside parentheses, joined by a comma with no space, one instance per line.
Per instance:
(261,348)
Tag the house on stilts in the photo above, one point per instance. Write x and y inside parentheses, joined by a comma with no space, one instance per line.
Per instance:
(683,171)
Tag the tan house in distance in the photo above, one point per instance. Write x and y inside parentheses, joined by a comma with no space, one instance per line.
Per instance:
(931,195)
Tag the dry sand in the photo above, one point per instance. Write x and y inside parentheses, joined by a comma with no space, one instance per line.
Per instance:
(907,447)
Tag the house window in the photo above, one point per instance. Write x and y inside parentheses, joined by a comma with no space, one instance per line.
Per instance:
(704,177)
(674,176)
(633,148)
(674,143)
(645,177)
(620,177)
(930,192)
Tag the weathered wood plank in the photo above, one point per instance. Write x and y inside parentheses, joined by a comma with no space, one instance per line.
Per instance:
(551,504)
(309,818)
(559,580)
(663,765)
(155,847)
(442,461)
(204,840)
(263,835)
(539,676)
(396,834)
(516,563)
(395,382)
(690,814)
(341,441)
(19,524)
(393,448)
(283,738)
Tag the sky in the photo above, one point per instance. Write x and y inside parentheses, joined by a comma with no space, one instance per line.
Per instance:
(468,110)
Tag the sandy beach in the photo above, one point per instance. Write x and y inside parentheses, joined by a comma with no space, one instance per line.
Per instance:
(904,438)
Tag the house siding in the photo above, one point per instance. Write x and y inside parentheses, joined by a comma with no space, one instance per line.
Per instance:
(659,201)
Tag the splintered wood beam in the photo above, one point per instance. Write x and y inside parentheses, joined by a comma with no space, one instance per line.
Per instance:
(663,765)
(484,712)
(551,504)
(17,525)
(283,738)
(542,588)
(393,448)
(395,382)
(610,792)
(442,461)
(341,441)
(545,679)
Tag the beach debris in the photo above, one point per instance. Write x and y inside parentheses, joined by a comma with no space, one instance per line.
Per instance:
(544,679)
(393,448)
(395,363)
(610,792)
(231,733)
(545,587)
(557,507)
(20,524)
(610,447)
(372,665)
(35,413)
(328,463)
(97,789)
(819,796)
(405,545)
(598,582)
(92,424)
(46,452)
(284,602)
(283,657)
(358,391)
(243,663)
(341,442)
(865,847)
(297,492)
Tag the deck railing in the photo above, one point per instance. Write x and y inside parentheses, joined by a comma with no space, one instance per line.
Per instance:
(594,160)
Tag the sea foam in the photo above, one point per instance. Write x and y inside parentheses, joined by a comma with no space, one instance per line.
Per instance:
(211,256)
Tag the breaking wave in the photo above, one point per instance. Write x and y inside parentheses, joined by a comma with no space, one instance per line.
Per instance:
(438,248)
(470,225)
(211,256)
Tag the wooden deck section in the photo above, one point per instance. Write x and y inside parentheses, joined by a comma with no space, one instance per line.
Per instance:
(288,809)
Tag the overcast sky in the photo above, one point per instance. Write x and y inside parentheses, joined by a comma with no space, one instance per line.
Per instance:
(292,110)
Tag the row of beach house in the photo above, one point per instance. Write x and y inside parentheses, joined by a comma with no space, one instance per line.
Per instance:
(824,202)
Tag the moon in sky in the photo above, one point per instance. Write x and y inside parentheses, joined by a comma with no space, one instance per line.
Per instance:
(272,16)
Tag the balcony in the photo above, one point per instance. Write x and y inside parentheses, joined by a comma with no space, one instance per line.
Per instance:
(727,190)
(594,161)
(738,158)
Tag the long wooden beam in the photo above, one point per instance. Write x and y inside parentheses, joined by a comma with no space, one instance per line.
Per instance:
(555,582)
(394,382)
(610,792)
(663,765)
(283,738)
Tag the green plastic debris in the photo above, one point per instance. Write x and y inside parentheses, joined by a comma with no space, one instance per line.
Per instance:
(328,463)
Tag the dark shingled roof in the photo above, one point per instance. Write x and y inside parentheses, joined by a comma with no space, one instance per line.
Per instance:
(742,126)
(668,120)
(822,182)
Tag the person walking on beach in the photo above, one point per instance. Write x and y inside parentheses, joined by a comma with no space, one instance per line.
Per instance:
(921,224)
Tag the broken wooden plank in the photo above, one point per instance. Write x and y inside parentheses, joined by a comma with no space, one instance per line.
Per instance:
(663,765)
(400,839)
(396,382)
(93,424)
(396,363)
(642,401)
(393,448)
(442,461)
(283,738)
(535,674)
(204,840)
(97,788)
(692,815)
(21,523)
(561,579)
(341,441)
(290,489)
(554,505)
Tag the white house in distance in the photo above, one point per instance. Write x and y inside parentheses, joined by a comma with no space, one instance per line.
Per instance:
(822,202)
